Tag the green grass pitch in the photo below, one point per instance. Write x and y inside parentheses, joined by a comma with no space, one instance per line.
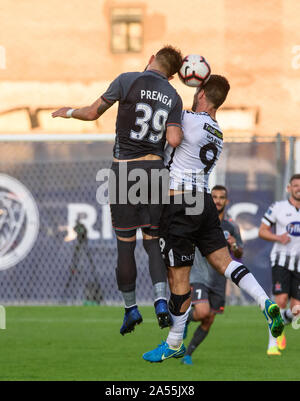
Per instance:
(83,343)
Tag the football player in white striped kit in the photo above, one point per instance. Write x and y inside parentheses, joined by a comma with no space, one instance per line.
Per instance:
(190,165)
(281,225)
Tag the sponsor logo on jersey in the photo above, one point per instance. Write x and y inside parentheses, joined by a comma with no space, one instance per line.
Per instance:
(226,234)
(187,258)
(19,221)
(293,228)
(213,131)
(213,139)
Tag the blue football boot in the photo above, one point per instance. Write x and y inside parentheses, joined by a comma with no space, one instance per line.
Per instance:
(162,313)
(163,351)
(131,319)
(187,360)
(273,316)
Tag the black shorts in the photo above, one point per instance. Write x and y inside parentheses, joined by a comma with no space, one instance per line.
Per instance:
(127,213)
(180,232)
(202,294)
(286,282)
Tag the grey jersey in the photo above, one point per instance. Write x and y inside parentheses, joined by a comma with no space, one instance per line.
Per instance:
(202,272)
(148,104)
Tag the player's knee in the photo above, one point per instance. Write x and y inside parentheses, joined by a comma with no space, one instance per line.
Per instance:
(197,315)
(150,233)
(125,248)
(179,304)
(202,312)
(151,245)
(126,236)
(281,300)
(206,324)
(210,319)
(220,259)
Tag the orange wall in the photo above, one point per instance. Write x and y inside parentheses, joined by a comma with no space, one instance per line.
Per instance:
(58,52)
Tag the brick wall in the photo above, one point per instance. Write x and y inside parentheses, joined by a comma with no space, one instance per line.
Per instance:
(58,53)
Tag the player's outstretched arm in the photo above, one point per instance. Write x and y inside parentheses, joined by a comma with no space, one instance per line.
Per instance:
(88,113)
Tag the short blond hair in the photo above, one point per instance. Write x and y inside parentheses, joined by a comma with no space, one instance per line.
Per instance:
(170,59)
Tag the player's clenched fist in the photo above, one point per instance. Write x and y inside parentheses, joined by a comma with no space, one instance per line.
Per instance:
(284,238)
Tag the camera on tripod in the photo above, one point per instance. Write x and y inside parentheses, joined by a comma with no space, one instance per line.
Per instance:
(81,231)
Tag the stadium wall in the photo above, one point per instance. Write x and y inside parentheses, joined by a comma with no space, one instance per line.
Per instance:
(50,59)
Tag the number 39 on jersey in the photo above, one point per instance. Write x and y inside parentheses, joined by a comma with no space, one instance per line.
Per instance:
(149,123)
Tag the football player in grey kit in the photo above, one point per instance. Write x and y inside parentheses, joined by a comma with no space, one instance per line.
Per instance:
(190,165)
(207,285)
(149,113)
(284,217)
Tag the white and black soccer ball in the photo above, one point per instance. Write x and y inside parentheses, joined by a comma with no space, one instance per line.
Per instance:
(194,71)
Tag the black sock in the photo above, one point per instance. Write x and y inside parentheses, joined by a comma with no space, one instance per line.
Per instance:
(126,267)
(197,339)
(157,267)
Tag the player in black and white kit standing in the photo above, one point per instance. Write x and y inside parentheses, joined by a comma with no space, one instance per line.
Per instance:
(190,165)
(149,113)
(281,225)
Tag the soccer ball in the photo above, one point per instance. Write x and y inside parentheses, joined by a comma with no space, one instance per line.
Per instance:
(194,71)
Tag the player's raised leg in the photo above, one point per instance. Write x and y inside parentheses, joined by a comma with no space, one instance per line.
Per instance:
(243,278)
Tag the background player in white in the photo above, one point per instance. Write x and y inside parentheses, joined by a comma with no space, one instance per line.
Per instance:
(198,152)
(207,285)
(281,225)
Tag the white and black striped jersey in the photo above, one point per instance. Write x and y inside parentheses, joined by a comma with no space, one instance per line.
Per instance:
(193,160)
(286,218)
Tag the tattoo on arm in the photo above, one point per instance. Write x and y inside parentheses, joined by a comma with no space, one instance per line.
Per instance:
(103,107)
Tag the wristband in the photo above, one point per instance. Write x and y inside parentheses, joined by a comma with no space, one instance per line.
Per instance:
(69,113)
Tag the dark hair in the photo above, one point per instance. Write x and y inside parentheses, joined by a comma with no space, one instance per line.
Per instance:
(220,188)
(170,59)
(295,177)
(216,90)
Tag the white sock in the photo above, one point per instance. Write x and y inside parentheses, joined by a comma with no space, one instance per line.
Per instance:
(160,291)
(175,335)
(272,340)
(287,315)
(129,299)
(246,281)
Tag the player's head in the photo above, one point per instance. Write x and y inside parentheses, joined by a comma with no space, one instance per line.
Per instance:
(214,92)
(220,197)
(294,187)
(168,60)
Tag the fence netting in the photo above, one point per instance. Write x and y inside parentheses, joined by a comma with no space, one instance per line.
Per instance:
(57,245)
